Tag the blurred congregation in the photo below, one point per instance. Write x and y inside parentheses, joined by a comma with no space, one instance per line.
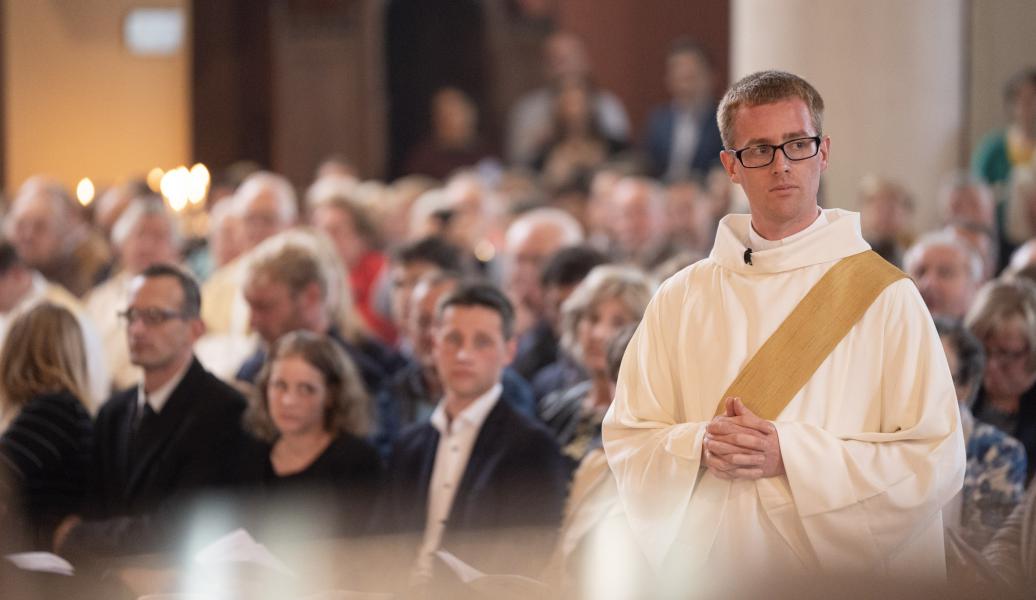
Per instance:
(427,358)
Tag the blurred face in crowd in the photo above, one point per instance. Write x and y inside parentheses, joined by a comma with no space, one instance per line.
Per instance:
(943,276)
(573,107)
(686,211)
(596,329)
(422,319)
(688,78)
(297,396)
(38,227)
(275,310)
(1023,109)
(529,248)
(554,295)
(262,215)
(783,194)
(970,204)
(453,117)
(403,277)
(160,336)
(151,241)
(565,56)
(637,217)
(339,226)
(1008,373)
(470,351)
(885,214)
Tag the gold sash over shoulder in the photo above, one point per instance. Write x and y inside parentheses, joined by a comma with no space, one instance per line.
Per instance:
(787,360)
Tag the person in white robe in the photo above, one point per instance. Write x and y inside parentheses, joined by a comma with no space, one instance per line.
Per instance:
(852,476)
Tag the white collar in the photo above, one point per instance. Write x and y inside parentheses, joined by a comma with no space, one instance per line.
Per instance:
(473,415)
(758,243)
(822,242)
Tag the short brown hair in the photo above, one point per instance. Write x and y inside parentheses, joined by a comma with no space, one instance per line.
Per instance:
(767,87)
(345,409)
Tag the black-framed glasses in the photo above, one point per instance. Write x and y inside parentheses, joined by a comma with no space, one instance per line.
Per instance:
(150,316)
(761,155)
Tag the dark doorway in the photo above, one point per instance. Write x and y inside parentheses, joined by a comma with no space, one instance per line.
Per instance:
(429,44)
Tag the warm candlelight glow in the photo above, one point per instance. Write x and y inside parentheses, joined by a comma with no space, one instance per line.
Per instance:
(175,187)
(85,191)
(199,183)
(154,179)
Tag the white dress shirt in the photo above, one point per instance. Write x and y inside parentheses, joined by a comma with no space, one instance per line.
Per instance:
(456,440)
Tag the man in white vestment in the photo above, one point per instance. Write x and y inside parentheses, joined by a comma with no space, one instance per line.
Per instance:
(851,477)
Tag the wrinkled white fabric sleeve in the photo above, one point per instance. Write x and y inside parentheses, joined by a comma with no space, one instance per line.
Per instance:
(655,458)
(862,496)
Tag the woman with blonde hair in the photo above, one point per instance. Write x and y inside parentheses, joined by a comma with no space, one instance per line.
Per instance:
(1003,318)
(309,411)
(46,443)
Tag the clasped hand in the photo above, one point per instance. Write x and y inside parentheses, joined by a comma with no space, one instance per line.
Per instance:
(740,445)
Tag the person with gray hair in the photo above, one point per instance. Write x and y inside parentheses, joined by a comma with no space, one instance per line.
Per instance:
(145,234)
(967,205)
(947,271)
(51,236)
(994,480)
(609,298)
(531,239)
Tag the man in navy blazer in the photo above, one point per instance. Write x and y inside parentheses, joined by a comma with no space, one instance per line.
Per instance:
(164,441)
(479,479)
(683,138)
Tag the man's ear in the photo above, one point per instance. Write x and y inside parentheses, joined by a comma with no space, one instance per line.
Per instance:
(825,152)
(197,328)
(730,165)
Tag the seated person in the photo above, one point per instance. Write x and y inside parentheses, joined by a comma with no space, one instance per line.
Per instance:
(413,392)
(309,411)
(609,298)
(454,142)
(595,533)
(22,288)
(682,137)
(1003,318)
(560,276)
(170,439)
(995,477)
(577,144)
(1012,553)
(477,466)
(47,432)
(296,281)
(46,226)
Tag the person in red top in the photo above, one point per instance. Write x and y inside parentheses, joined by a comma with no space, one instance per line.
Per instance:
(357,240)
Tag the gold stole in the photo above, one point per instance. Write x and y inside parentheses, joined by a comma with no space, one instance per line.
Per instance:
(787,360)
